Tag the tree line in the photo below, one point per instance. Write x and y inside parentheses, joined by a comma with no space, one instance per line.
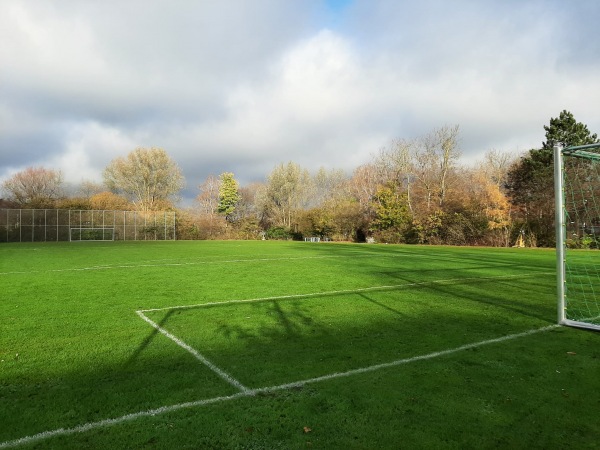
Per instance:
(411,191)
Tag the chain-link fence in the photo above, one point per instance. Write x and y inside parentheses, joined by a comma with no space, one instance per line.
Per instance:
(40,225)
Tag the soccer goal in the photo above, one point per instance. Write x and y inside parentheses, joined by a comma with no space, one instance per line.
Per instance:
(91,234)
(577,192)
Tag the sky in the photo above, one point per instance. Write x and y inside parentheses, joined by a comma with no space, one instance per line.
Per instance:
(244,85)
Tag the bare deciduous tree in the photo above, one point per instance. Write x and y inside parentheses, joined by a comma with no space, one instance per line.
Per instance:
(286,193)
(149,177)
(434,160)
(208,201)
(397,165)
(34,187)
(247,206)
(364,183)
(495,166)
(328,186)
(90,188)
(448,155)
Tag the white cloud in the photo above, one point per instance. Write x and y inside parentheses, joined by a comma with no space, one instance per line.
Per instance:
(88,148)
(311,108)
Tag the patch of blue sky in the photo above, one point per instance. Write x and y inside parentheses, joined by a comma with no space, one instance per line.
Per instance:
(335,11)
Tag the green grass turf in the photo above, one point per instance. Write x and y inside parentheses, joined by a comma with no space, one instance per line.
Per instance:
(73,350)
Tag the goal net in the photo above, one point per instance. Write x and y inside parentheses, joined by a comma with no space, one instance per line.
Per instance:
(91,234)
(577,190)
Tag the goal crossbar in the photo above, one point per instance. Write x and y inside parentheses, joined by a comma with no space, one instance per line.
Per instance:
(579,151)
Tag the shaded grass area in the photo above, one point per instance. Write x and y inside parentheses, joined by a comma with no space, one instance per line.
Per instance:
(73,350)
(483,398)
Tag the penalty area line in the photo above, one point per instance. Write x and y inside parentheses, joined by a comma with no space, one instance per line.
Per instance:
(252,392)
(221,373)
(400,362)
(341,292)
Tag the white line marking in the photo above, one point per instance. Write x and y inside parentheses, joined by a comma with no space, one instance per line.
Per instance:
(353,254)
(117,420)
(404,361)
(136,266)
(344,291)
(221,373)
(247,393)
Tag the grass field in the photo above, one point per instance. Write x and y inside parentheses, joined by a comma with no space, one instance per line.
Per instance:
(289,345)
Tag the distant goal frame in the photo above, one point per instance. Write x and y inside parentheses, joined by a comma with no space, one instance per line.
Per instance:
(91,234)
(577,224)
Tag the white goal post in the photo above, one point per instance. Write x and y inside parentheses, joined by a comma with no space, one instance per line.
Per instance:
(91,234)
(577,203)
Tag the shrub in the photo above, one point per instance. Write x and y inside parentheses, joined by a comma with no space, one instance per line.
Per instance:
(279,233)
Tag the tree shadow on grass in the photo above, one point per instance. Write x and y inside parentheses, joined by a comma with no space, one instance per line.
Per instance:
(97,387)
(268,341)
(393,264)
(275,321)
(382,305)
(508,295)
(148,339)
